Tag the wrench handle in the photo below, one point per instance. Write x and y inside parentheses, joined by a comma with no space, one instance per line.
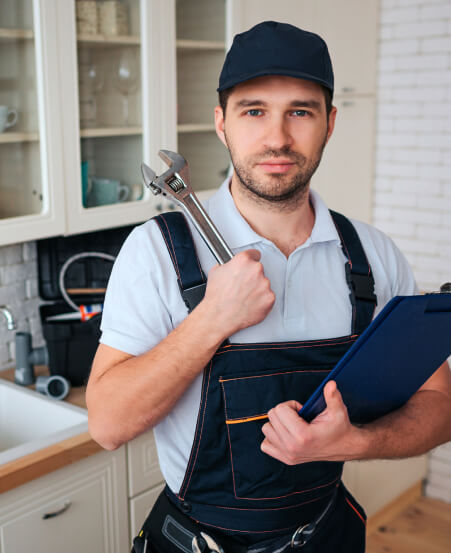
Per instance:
(207,229)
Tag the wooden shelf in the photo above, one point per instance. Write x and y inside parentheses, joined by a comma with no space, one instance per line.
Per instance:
(15,34)
(110,131)
(9,137)
(195,127)
(183,44)
(125,40)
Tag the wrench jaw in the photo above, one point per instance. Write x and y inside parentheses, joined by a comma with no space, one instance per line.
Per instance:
(177,176)
(174,182)
(149,177)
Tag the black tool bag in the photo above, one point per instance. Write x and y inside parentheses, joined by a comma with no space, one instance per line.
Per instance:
(72,343)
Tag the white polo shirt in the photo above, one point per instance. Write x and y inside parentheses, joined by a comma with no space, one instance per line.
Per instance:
(143,302)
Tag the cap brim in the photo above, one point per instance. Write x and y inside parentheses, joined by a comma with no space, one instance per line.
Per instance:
(275,71)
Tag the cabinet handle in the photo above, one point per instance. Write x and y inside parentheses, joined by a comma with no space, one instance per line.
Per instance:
(348,89)
(347,104)
(63,509)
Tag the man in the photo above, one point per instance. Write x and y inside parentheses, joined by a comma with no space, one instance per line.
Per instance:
(222,385)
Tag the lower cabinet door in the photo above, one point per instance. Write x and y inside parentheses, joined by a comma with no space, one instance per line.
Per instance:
(80,508)
(140,507)
(142,460)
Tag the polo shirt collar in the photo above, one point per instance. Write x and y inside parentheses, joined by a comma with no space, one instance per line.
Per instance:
(237,232)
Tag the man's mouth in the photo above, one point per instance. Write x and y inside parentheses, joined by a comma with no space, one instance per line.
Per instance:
(278,165)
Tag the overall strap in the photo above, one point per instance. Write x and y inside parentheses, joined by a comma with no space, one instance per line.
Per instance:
(179,241)
(358,274)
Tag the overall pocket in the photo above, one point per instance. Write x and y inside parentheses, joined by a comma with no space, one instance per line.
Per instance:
(256,475)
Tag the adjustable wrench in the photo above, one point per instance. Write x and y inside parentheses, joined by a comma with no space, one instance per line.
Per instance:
(209,542)
(175,182)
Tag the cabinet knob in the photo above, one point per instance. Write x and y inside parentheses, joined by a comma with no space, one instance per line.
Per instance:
(63,509)
(348,89)
(347,104)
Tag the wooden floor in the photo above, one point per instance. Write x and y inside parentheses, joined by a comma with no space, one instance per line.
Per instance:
(423,527)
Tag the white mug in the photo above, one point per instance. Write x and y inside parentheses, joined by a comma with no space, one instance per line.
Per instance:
(136,191)
(103,191)
(8,117)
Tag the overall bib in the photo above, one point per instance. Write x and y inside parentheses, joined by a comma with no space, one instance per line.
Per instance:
(237,493)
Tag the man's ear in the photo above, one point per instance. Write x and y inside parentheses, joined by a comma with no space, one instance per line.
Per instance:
(219,124)
(331,122)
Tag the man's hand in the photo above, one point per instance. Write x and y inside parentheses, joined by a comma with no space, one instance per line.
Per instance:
(238,294)
(329,437)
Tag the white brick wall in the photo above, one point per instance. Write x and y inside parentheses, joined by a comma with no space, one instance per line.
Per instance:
(19,292)
(412,200)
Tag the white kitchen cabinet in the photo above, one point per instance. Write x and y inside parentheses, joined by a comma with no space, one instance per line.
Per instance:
(143,468)
(345,175)
(102,100)
(349,27)
(81,507)
(31,155)
(145,481)
(140,507)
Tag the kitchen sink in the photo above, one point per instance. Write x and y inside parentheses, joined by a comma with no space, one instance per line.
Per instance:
(30,421)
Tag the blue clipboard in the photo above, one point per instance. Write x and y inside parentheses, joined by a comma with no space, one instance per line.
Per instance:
(403,346)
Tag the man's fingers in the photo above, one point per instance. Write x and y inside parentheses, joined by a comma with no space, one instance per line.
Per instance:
(269,449)
(286,421)
(332,395)
(254,254)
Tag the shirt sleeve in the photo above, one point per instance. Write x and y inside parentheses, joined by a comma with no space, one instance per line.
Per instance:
(135,317)
(392,273)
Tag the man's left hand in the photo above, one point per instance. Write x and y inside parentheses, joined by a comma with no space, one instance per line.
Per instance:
(329,437)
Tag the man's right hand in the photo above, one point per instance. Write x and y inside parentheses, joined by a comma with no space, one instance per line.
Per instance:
(238,294)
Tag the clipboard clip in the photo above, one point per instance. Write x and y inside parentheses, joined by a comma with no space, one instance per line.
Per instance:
(445,288)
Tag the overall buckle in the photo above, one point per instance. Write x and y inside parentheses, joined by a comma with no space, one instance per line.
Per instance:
(302,535)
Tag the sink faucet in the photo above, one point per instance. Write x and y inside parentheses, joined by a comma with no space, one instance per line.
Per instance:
(11,325)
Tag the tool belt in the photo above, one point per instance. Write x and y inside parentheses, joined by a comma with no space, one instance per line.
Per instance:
(168,530)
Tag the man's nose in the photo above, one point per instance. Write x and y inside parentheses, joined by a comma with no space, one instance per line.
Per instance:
(278,134)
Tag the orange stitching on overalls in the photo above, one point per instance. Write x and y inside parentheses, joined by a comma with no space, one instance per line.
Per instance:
(344,244)
(358,514)
(204,380)
(246,419)
(230,441)
(202,427)
(195,252)
(266,349)
(262,498)
(354,308)
(172,244)
(292,493)
(273,374)
(275,508)
(233,469)
(171,252)
(332,341)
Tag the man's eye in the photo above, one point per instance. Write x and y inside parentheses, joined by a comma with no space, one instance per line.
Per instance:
(254,112)
(300,113)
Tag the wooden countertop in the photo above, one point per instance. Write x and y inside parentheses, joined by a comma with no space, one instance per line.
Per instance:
(37,464)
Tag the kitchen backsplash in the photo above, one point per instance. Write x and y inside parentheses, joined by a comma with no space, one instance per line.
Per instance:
(19,292)
(412,197)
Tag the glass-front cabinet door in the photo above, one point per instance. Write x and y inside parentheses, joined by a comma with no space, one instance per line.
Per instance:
(201,29)
(31,200)
(108,79)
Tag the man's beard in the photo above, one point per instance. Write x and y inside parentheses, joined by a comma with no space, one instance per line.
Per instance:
(281,192)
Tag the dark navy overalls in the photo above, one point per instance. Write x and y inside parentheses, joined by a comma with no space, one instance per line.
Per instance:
(230,485)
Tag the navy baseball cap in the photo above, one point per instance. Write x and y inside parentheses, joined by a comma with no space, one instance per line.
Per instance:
(272,48)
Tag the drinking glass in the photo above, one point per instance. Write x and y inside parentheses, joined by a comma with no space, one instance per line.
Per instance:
(126,77)
(92,79)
